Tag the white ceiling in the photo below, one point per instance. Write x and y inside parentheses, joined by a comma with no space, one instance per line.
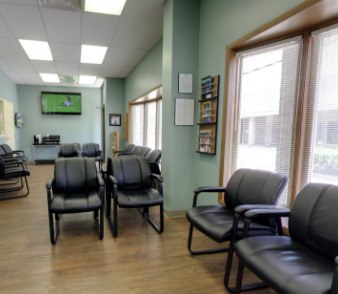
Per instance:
(128,37)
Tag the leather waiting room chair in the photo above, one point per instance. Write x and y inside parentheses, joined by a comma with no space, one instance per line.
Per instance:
(128,151)
(306,261)
(92,150)
(9,152)
(13,178)
(245,187)
(70,150)
(130,185)
(154,158)
(76,187)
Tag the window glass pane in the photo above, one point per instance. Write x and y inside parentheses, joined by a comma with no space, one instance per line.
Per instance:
(323,150)
(151,125)
(159,124)
(137,124)
(265,115)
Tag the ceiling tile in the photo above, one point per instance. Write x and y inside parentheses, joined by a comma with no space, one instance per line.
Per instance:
(44,66)
(11,48)
(118,56)
(24,21)
(24,2)
(128,37)
(155,35)
(150,9)
(66,52)
(67,68)
(4,30)
(20,65)
(98,29)
(62,25)
(131,32)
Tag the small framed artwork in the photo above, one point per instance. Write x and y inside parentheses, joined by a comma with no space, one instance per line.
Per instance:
(114,119)
(185,83)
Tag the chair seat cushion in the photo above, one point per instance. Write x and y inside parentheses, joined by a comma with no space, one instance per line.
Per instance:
(75,202)
(216,222)
(139,198)
(286,265)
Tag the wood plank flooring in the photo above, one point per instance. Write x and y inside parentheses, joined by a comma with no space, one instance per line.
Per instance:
(138,261)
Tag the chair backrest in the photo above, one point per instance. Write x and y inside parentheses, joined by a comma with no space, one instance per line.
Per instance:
(6,148)
(75,174)
(250,186)
(91,150)
(131,172)
(129,148)
(69,150)
(154,156)
(144,151)
(314,217)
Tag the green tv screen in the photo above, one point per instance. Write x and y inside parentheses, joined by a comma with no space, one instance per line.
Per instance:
(60,103)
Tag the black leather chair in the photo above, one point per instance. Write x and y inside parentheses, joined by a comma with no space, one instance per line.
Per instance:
(76,187)
(247,187)
(92,150)
(130,185)
(70,150)
(9,152)
(127,151)
(154,158)
(306,261)
(13,176)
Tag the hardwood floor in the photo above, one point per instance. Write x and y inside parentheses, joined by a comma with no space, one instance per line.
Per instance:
(138,261)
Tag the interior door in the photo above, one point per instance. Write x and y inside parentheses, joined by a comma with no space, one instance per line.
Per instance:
(7,131)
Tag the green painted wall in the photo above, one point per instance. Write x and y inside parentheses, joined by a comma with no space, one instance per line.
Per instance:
(146,76)
(82,128)
(9,91)
(115,98)
(221,23)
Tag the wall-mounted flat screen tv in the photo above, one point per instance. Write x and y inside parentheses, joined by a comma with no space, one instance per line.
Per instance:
(60,103)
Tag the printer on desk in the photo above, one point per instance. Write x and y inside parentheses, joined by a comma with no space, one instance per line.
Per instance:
(47,140)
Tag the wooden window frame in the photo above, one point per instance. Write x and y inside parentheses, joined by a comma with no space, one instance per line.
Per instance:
(304,18)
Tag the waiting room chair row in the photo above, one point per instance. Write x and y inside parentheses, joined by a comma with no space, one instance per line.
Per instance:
(305,261)
(77,186)
(152,155)
(13,173)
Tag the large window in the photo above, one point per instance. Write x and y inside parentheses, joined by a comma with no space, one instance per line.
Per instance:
(146,120)
(266,103)
(321,152)
(285,110)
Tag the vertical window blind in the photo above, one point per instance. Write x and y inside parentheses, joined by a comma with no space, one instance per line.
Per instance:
(263,136)
(321,127)
(146,120)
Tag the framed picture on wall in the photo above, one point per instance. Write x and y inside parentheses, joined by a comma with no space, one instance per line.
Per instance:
(114,119)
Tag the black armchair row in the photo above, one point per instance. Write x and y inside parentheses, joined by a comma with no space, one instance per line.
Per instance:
(77,186)
(13,173)
(305,261)
(153,156)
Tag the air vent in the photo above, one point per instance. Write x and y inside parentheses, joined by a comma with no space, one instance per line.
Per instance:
(62,4)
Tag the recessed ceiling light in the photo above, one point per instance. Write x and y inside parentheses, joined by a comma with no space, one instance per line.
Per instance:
(49,78)
(114,7)
(93,54)
(37,50)
(87,80)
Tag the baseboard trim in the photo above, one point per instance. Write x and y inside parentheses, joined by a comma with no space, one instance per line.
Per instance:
(174,213)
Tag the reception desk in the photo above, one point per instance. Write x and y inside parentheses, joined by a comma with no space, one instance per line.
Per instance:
(45,152)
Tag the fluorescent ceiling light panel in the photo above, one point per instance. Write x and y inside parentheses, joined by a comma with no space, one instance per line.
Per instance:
(93,54)
(36,50)
(114,7)
(49,78)
(87,80)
